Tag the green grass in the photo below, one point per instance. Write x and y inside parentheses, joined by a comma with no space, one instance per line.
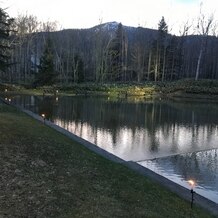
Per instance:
(147,89)
(45,174)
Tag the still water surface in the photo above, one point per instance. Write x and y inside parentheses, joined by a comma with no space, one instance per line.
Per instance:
(202,167)
(144,132)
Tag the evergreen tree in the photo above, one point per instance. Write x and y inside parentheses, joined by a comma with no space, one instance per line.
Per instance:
(162,47)
(162,28)
(46,75)
(5,30)
(160,51)
(118,55)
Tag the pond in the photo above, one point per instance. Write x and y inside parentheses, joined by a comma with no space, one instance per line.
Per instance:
(201,167)
(175,138)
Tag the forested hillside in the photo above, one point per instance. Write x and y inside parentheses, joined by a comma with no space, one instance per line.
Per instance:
(107,53)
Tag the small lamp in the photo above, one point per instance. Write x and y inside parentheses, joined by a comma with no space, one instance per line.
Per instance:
(43,116)
(192,184)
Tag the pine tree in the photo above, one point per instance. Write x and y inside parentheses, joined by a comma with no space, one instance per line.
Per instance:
(118,55)
(46,75)
(162,34)
(159,51)
(162,28)
(5,29)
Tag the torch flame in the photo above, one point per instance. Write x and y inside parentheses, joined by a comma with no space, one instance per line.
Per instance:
(191,182)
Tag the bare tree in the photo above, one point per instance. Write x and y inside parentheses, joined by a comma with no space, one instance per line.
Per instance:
(204,27)
(29,46)
(49,26)
(26,25)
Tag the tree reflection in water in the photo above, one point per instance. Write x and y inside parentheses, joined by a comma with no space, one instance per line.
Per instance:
(133,130)
(201,166)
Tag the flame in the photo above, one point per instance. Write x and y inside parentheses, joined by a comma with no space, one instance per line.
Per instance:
(191,182)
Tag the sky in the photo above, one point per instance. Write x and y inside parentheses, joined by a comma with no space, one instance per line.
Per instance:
(88,13)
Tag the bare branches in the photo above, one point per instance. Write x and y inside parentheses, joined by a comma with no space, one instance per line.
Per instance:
(185,29)
(205,23)
(27,24)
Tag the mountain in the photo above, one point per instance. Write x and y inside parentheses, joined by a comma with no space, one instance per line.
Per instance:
(92,46)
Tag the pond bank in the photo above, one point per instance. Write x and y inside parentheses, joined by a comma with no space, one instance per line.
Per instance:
(201,89)
(62,178)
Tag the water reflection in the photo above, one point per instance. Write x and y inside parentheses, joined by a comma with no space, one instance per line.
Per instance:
(144,130)
(202,167)
(132,131)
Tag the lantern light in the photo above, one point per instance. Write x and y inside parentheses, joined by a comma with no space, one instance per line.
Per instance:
(43,116)
(192,184)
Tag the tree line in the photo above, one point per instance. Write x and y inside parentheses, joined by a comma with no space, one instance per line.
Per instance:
(38,54)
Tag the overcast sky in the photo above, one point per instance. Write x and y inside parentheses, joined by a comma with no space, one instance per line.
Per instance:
(88,13)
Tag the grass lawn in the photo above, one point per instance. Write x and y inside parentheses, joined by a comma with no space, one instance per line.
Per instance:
(45,174)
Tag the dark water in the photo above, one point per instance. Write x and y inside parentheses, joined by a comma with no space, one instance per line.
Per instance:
(143,130)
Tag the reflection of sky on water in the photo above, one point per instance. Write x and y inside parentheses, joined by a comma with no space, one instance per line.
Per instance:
(201,166)
(140,144)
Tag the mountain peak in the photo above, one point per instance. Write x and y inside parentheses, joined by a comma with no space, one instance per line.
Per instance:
(109,26)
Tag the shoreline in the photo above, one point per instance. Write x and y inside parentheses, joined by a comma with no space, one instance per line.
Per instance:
(181,89)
